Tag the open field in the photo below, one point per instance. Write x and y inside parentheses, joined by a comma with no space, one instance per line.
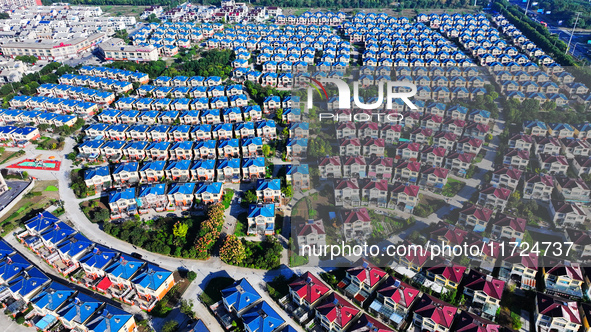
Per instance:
(29,205)
(135,11)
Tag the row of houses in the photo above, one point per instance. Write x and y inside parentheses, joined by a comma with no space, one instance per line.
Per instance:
(130,173)
(160,197)
(192,117)
(190,31)
(266,129)
(52,302)
(84,108)
(96,82)
(18,136)
(309,18)
(103,98)
(181,104)
(115,74)
(163,88)
(20,116)
(97,267)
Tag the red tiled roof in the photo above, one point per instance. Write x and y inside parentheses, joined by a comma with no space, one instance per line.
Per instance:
(309,287)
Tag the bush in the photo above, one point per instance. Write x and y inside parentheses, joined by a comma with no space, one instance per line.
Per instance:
(20,319)
(191,275)
(170,326)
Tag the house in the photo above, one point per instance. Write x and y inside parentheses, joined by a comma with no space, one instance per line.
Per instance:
(560,130)
(136,150)
(508,228)
(476,217)
(122,203)
(404,197)
(361,280)
(298,176)
(261,317)
(203,170)
(407,171)
(268,190)
(239,297)
(556,314)
(394,300)
(469,145)
(553,164)
(458,162)
(151,285)
(178,171)
(72,251)
(567,214)
(152,196)
(448,276)
(356,223)
(467,321)
(431,314)
(347,192)
(581,165)
(95,263)
(576,147)
(572,189)
(261,219)
(78,311)
(152,171)
(408,151)
(563,278)
(548,145)
(252,146)
(209,192)
(485,293)
(506,177)
(296,148)
(113,150)
(515,158)
(310,234)
(228,170)
(110,318)
(433,177)
(330,167)
(521,267)
(535,128)
(48,301)
(335,313)
(433,156)
(298,129)
(494,198)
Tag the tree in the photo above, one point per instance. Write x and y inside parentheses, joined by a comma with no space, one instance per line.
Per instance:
(232,251)
(187,308)
(250,197)
(266,150)
(31,59)
(170,326)
(287,191)
(180,229)
(191,275)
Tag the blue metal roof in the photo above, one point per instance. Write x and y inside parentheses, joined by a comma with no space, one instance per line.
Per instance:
(117,195)
(240,295)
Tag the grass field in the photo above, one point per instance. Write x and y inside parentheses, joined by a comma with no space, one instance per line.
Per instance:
(26,208)
(135,11)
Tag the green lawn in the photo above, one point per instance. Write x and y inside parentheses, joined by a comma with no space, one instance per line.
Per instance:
(51,188)
(452,187)
(212,293)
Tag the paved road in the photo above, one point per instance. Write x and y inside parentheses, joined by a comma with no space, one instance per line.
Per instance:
(8,325)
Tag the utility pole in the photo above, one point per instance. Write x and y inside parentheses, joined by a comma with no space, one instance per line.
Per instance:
(527,7)
(573,32)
